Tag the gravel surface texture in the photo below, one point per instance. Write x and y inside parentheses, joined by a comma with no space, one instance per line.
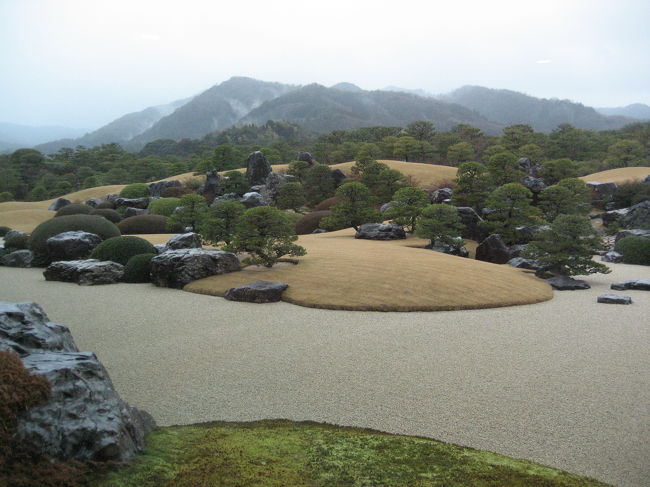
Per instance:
(564,383)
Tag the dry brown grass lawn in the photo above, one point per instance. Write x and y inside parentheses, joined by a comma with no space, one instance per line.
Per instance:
(618,176)
(340,272)
(24,220)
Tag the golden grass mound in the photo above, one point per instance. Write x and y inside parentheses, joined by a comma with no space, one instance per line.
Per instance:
(341,272)
(618,176)
(24,220)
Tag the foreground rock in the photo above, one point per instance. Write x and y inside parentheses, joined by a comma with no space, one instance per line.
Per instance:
(84,418)
(58,204)
(72,245)
(637,216)
(636,285)
(614,299)
(85,272)
(257,168)
(257,292)
(175,268)
(189,240)
(380,231)
(564,283)
(18,258)
(493,250)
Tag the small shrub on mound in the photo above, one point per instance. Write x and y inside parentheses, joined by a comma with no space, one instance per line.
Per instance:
(110,215)
(144,224)
(87,223)
(635,250)
(106,205)
(310,222)
(164,206)
(121,249)
(18,240)
(138,268)
(74,209)
(175,192)
(326,204)
(135,190)
(3,231)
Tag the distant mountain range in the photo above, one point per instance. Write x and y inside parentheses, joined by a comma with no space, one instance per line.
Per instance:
(320,109)
(14,136)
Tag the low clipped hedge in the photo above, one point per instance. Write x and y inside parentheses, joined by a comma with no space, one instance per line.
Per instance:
(311,221)
(164,206)
(635,250)
(135,190)
(138,268)
(121,249)
(110,215)
(326,204)
(144,224)
(87,223)
(74,209)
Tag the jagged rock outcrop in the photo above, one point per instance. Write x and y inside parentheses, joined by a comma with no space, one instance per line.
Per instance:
(637,216)
(253,199)
(601,190)
(493,249)
(380,231)
(175,268)
(613,216)
(523,263)
(273,183)
(257,168)
(58,204)
(72,245)
(89,272)
(84,418)
(612,256)
(530,168)
(156,189)
(18,258)
(189,240)
(257,292)
(535,185)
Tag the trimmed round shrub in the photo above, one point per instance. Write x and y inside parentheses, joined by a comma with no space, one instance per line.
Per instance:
(635,250)
(311,221)
(110,215)
(74,209)
(87,223)
(164,206)
(138,268)
(106,205)
(121,249)
(144,224)
(3,231)
(135,190)
(326,204)
(17,240)
(175,192)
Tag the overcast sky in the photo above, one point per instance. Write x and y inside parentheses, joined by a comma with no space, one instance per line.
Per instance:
(83,63)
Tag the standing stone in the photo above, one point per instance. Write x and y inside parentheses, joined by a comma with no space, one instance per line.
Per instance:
(530,168)
(257,168)
(212,187)
(536,185)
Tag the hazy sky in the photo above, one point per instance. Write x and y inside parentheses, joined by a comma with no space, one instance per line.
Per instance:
(83,63)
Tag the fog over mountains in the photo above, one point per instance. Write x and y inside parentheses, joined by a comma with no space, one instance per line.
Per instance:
(320,109)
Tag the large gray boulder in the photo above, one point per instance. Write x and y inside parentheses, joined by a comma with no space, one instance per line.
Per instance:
(140,203)
(440,196)
(613,216)
(58,204)
(156,189)
(175,268)
(526,234)
(85,272)
(273,183)
(601,190)
(456,248)
(84,418)
(306,157)
(634,232)
(257,292)
(16,239)
(380,231)
(252,200)
(637,216)
(73,245)
(189,240)
(18,258)
(493,250)
(614,299)
(634,284)
(564,283)
(257,168)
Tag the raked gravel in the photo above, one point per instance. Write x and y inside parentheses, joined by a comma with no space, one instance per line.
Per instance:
(564,383)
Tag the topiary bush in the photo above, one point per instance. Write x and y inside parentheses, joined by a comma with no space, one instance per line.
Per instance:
(106,205)
(121,249)
(164,206)
(3,231)
(311,221)
(145,224)
(138,268)
(135,190)
(87,223)
(17,241)
(635,250)
(110,215)
(74,209)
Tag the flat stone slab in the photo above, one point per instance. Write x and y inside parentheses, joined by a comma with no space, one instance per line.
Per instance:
(85,272)
(380,231)
(614,299)
(257,292)
(567,283)
(636,285)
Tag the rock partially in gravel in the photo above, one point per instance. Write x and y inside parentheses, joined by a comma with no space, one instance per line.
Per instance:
(257,292)
(634,232)
(85,272)
(252,200)
(564,283)
(156,189)
(58,204)
(140,203)
(175,268)
(614,299)
(319,230)
(189,240)
(493,249)
(380,231)
(613,257)
(18,258)
(73,245)
(257,168)
(602,190)
(635,284)
(637,216)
